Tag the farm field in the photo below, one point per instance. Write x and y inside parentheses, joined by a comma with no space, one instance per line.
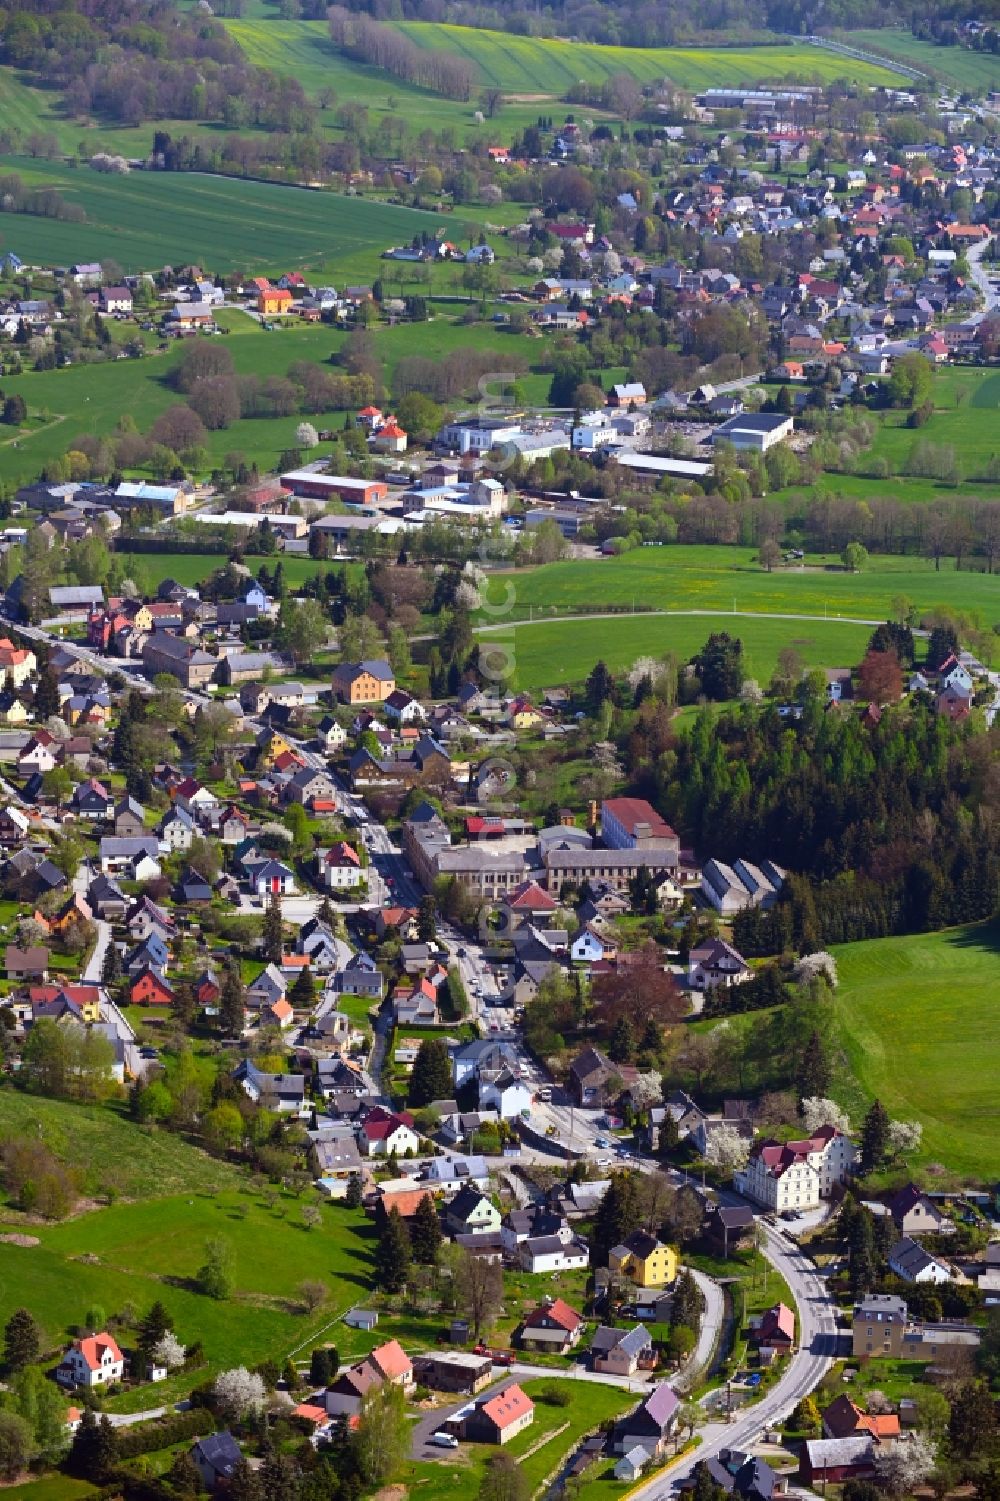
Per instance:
(222,223)
(304,50)
(915,1018)
(973,71)
(548,654)
(543,67)
(724,578)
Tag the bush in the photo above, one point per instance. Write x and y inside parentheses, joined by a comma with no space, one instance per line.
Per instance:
(161,1433)
(554,1396)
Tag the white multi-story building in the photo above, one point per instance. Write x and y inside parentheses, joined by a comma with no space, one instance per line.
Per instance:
(796,1174)
(93,1361)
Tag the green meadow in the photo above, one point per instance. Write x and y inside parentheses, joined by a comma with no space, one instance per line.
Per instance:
(916,1020)
(730,578)
(966,407)
(150,1242)
(972,71)
(554,653)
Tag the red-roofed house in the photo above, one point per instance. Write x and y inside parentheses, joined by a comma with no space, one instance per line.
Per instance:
(385,1132)
(93,1361)
(553,1325)
(529,902)
(339,866)
(393,1364)
(843,1419)
(797,1174)
(776,1330)
(496,1420)
(390,437)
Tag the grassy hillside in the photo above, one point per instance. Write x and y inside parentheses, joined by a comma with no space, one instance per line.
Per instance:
(724,578)
(147,219)
(551,653)
(915,1017)
(541,67)
(974,71)
(110,1149)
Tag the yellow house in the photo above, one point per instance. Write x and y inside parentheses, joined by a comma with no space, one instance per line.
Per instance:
(526,719)
(276,746)
(15,712)
(143,618)
(644,1260)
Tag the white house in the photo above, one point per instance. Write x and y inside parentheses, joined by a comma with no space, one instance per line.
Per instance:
(339,867)
(508,1095)
(93,1361)
(952,674)
(716,965)
(912,1263)
(550,1253)
(796,1175)
(383,1132)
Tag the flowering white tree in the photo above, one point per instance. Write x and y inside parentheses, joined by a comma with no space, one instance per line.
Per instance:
(751,692)
(901,1466)
(904,1137)
(726,1148)
(306,435)
(168,1351)
(644,667)
(646,1090)
(818,1111)
(238,1392)
(811,965)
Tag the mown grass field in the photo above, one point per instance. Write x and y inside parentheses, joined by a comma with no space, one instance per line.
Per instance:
(223,224)
(973,71)
(727,578)
(550,654)
(916,1019)
(547,68)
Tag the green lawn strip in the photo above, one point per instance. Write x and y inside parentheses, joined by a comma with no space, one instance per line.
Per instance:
(52,1488)
(915,1020)
(974,71)
(563,652)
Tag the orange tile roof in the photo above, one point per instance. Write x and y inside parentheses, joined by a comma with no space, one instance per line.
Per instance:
(391,1359)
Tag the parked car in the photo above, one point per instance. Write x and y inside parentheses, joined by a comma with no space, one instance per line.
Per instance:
(444,1440)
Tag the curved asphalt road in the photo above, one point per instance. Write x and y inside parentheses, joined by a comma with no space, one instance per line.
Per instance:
(817,1347)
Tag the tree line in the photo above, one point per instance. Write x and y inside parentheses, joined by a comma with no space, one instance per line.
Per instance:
(140,61)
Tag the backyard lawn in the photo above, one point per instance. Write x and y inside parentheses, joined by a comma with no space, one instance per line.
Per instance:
(540,1449)
(916,1019)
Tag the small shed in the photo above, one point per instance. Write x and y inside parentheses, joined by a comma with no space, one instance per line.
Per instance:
(361,1318)
(632,1464)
